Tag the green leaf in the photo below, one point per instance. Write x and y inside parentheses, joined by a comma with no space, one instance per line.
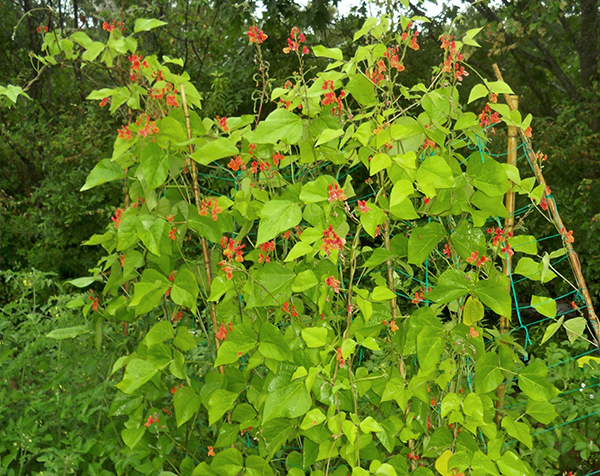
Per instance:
(312,418)
(147,24)
(575,328)
(423,240)
(488,375)
(214,150)
(468,119)
(239,342)
(379,162)
(534,384)
(369,424)
(434,173)
(495,295)
(450,403)
(533,270)
(511,465)
(314,336)
(381,293)
(219,403)
(155,165)
(524,244)
(82,282)
(544,305)
(370,221)
(543,412)
(277,216)
(229,462)
(160,332)
(291,401)
(483,464)
(300,249)
(317,190)
(137,373)
(185,289)
(280,125)
(466,240)
(186,403)
(151,233)
(272,343)
(478,91)
(402,189)
(184,340)
(452,284)
(552,329)
(132,436)
(228,435)
(473,311)
(67,332)
(256,465)
(92,51)
(276,433)
(304,280)
(105,171)
(323,52)
(429,348)
(380,255)
(488,176)
(518,430)
(328,135)
(362,89)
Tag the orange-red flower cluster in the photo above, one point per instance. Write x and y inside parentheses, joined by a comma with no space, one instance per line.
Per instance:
(213,205)
(392,55)
(331,241)
(266,248)
(255,36)
(362,206)
(124,133)
(475,259)
(331,98)
(222,334)
(222,121)
(296,38)
(286,308)
(117,217)
(41,29)
(148,127)
(151,420)
(277,157)
(336,193)
(110,27)
(340,358)
(333,283)
(95,302)
(236,163)
(568,236)
(487,117)
(232,251)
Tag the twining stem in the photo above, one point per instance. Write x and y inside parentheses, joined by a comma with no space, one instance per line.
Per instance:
(386,240)
(205,252)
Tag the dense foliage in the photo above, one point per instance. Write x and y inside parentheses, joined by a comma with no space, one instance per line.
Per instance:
(312,288)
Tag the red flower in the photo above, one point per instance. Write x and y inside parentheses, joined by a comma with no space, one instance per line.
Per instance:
(177,317)
(527,132)
(331,241)
(255,36)
(447,251)
(222,123)
(172,101)
(222,334)
(211,451)
(94,302)
(336,193)
(339,357)
(117,218)
(39,29)
(172,234)
(418,297)
(104,101)
(333,283)
(236,163)
(362,206)
(174,389)
(429,143)
(124,133)
(473,333)
(393,326)
(278,157)
(473,258)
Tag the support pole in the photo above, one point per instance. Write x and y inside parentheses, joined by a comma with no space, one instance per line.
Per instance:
(573,258)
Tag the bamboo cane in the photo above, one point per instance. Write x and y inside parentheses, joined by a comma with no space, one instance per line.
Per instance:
(205,252)
(573,258)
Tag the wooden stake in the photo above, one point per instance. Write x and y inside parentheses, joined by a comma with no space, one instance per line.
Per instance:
(205,252)
(573,258)
(509,225)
